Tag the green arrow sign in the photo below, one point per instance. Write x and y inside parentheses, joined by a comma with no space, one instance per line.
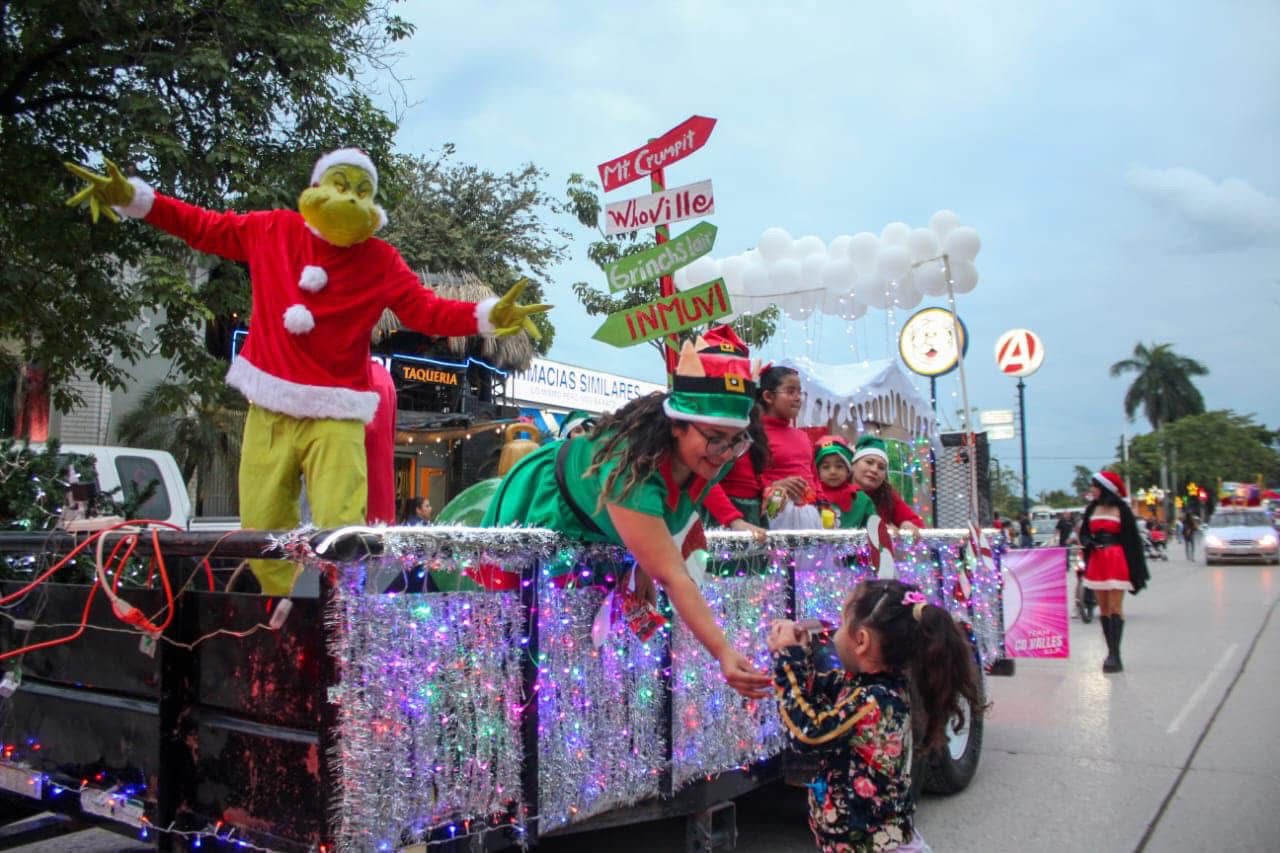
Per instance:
(661,260)
(666,316)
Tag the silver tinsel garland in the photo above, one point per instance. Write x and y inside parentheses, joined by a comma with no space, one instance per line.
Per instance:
(713,728)
(430,697)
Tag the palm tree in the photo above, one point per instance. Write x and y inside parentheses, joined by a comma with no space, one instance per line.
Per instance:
(1163,387)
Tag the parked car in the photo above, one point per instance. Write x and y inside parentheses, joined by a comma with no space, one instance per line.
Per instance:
(1241,534)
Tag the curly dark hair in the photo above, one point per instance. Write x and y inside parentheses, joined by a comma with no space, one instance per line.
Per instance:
(641,433)
(932,649)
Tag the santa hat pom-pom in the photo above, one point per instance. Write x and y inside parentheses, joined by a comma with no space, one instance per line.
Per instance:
(298,319)
(313,278)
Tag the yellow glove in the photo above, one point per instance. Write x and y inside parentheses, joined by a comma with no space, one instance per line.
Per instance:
(103,192)
(508,318)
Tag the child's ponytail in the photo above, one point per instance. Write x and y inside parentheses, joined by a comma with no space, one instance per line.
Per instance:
(943,671)
(923,640)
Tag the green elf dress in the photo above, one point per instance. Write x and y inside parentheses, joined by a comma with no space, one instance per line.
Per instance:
(553,488)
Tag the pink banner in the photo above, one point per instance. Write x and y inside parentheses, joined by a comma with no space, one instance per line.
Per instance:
(1036,618)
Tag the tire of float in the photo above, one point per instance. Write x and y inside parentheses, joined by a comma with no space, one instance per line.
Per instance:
(948,773)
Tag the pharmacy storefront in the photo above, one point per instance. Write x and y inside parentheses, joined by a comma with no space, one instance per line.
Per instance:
(550,389)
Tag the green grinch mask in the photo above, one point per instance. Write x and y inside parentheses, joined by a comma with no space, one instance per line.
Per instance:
(341,206)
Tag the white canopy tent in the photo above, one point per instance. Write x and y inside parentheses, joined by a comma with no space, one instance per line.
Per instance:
(869,395)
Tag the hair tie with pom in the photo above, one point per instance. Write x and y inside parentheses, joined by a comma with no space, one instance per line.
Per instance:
(917,602)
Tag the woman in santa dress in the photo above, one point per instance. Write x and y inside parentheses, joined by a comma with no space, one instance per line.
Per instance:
(1114,562)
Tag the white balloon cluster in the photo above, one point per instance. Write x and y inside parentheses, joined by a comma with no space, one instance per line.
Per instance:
(847,276)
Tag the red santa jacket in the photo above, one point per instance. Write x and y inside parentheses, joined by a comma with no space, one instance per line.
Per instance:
(314,305)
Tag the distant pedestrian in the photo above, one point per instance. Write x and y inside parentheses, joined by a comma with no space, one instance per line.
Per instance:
(1190,527)
(1066,524)
(417,511)
(1113,555)
(1024,532)
(857,716)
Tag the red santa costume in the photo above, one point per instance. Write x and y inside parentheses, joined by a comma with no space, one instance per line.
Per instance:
(305,365)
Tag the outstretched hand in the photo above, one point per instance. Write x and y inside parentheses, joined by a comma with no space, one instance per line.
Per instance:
(743,677)
(103,191)
(508,318)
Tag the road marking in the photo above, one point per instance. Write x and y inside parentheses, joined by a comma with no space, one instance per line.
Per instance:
(1202,689)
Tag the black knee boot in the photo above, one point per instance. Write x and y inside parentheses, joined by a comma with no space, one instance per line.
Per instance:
(1111,627)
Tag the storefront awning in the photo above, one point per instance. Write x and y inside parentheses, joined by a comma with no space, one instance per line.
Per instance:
(432,427)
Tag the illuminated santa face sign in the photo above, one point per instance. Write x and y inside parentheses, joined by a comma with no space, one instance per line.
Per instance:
(927,342)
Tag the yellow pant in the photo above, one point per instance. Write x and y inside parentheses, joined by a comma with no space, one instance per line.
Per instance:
(278,453)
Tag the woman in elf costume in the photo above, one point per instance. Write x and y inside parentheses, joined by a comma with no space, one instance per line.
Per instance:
(871,478)
(636,481)
(320,282)
(840,503)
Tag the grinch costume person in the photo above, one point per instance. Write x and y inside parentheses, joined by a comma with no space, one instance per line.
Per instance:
(320,282)
(636,481)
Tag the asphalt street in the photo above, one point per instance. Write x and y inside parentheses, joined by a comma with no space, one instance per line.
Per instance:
(1180,752)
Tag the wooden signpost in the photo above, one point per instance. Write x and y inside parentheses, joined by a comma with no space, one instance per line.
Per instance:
(667,316)
(674,312)
(674,145)
(661,260)
(661,208)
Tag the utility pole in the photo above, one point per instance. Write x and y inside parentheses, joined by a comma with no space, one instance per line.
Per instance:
(1022,433)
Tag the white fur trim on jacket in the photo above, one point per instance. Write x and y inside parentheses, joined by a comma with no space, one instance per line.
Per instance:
(298,319)
(483,308)
(313,278)
(298,400)
(345,157)
(143,198)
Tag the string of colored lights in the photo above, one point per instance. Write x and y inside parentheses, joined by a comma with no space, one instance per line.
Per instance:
(433,688)
(449,657)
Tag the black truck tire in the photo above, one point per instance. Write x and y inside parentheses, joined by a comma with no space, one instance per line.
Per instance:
(951,768)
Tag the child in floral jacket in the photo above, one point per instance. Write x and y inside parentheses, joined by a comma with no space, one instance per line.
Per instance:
(858,714)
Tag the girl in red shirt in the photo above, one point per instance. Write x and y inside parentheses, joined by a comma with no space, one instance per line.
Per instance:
(790,480)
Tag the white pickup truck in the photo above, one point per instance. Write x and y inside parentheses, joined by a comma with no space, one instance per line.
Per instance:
(132,470)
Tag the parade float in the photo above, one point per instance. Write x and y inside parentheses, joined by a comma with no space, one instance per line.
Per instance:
(363,721)
(492,708)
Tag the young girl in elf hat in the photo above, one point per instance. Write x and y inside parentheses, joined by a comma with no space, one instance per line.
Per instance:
(871,477)
(1114,560)
(857,716)
(636,480)
(790,480)
(840,503)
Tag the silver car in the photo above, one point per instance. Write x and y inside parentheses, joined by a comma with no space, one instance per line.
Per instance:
(1241,534)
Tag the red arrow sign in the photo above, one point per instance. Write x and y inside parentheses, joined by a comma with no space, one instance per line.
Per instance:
(674,145)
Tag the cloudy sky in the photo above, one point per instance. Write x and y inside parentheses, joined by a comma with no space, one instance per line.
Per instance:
(1119,161)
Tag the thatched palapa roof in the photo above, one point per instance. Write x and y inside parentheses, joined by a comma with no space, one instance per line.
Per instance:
(513,352)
